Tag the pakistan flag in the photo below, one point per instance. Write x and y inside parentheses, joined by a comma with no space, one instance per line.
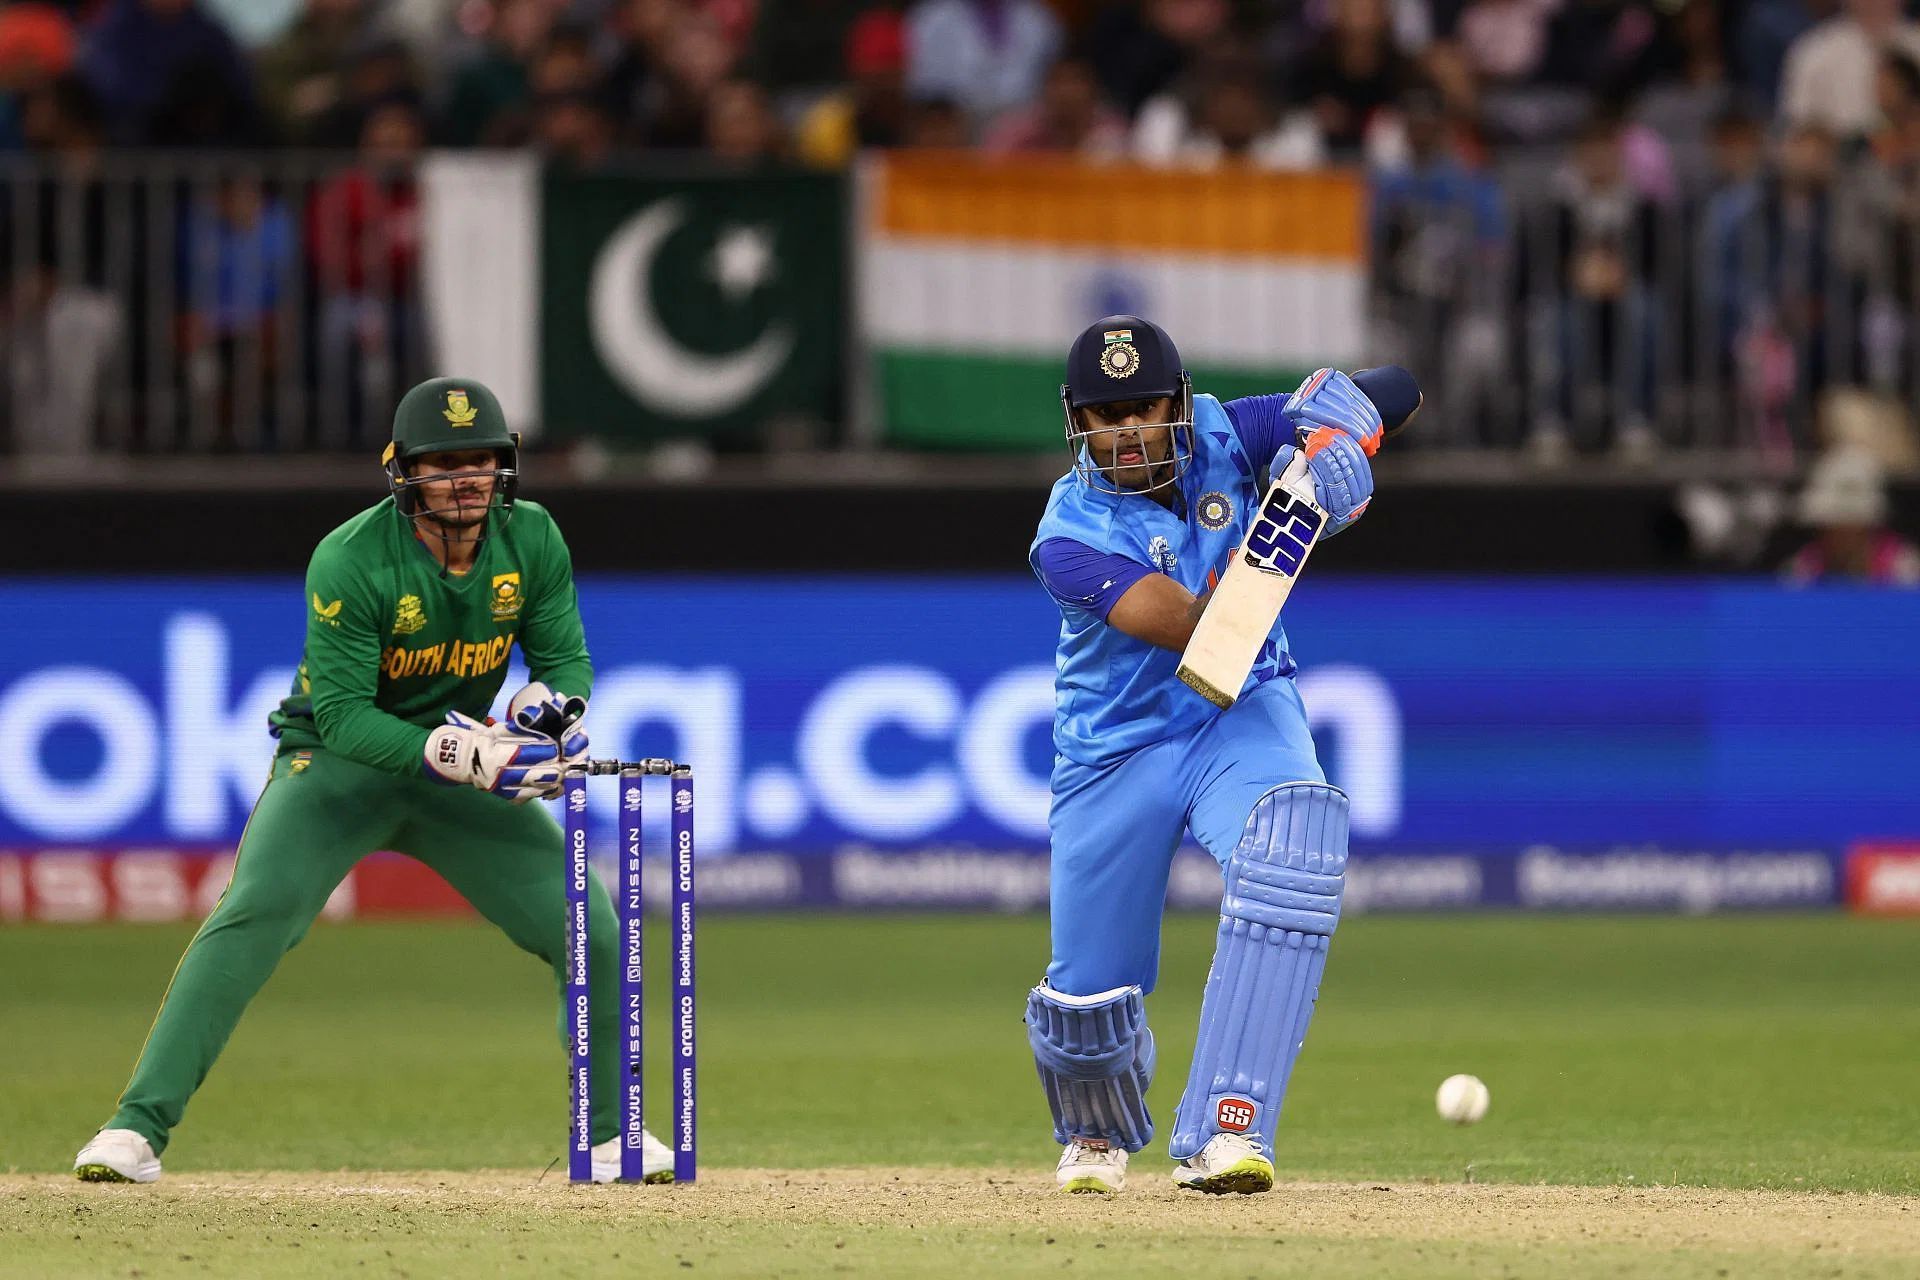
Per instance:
(708,306)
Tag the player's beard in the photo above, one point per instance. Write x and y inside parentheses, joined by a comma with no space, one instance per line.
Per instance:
(461,509)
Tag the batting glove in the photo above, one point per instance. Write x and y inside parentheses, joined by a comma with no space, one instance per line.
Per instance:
(1342,476)
(1330,399)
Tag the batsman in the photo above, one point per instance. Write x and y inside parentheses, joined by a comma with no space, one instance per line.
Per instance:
(412,609)
(1161,495)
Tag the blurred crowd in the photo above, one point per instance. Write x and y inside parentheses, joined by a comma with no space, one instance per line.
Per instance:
(1273,83)
(1620,225)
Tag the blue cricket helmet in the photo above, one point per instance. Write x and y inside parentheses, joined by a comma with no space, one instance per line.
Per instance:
(1125,358)
(1122,358)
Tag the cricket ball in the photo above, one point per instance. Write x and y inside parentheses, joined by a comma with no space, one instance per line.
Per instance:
(1462,1099)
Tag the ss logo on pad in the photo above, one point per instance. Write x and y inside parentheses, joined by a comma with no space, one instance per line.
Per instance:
(1235,1115)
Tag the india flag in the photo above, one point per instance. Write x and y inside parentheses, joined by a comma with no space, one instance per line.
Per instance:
(975,273)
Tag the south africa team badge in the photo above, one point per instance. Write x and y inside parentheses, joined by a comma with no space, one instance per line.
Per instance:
(506,598)
(1215,511)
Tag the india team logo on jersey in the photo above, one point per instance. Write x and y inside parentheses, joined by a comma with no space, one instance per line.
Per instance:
(506,599)
(409,617)
(1215,511)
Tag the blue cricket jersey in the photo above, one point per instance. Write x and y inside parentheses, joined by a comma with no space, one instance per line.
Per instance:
(1114,694)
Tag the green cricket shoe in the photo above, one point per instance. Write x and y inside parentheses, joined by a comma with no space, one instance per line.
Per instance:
(1228,1165)
(1090,1166)
(117,1155)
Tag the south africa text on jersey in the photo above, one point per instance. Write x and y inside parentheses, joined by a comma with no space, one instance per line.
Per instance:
(454,657)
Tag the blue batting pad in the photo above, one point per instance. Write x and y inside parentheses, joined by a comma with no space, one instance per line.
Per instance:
(1095,1056)
(1277,916)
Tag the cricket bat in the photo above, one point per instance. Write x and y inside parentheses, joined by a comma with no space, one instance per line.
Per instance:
(1261,574)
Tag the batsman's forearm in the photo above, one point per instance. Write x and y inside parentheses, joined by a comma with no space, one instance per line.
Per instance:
(1195,610)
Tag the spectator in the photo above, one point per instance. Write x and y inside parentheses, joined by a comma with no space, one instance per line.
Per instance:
(1762,33)
(377,71)
(1438,236)
(1845,502)
(1593,373)
(937,123)
(305,74)
(1353,72)
(491,90)
(1505,41)
(1830,77)
(236,259)
(985,55)
(796,50)
(1068,118)
(872,110)
(695,59)
(573,130)
(1643,148)
(152,58)
(741,127)
(1221,113)
(1879,227)
(1141,49)
(639,30)
(67,323)
(364,237)
(1770,274)
(1601,44)
(563,93)
(37,46)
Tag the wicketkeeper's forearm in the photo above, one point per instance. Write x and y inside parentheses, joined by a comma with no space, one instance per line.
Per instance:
(366,734)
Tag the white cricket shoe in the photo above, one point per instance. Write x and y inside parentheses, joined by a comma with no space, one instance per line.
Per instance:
(117,1155)
(1091,1166)
(1229,1162)
(656,1161)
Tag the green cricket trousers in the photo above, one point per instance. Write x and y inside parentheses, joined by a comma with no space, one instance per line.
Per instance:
(320,814)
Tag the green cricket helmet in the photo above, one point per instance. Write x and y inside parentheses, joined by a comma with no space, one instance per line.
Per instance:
(446,414)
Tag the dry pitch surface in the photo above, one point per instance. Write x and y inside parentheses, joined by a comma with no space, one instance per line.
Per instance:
(933,1222)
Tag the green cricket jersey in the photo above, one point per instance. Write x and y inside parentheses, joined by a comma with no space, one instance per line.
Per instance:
(394,643)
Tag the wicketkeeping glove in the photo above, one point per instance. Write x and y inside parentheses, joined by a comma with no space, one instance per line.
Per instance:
(538,709)
(503,759)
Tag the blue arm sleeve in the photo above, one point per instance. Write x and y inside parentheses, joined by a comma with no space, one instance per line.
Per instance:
(1081,578)
(1263,427)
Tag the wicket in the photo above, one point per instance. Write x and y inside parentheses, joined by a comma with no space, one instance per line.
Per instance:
(628,911)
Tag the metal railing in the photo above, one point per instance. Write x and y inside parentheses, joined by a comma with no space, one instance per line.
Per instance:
(1757,318)
(270,303)
(194,304)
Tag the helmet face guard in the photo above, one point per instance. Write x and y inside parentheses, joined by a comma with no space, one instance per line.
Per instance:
(1098,477)
(405,487)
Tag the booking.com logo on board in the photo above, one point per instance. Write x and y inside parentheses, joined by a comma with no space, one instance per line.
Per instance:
(165,740)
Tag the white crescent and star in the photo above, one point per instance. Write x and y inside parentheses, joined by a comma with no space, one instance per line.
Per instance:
(637,349)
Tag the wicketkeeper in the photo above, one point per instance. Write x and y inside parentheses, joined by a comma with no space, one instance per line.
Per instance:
(412,609)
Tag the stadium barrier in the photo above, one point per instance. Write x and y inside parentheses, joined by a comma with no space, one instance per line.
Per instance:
(1683,746)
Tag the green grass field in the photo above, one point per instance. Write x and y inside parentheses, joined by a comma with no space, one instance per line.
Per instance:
(1757,1053)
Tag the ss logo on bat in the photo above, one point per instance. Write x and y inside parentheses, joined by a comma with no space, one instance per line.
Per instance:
(1283,532)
